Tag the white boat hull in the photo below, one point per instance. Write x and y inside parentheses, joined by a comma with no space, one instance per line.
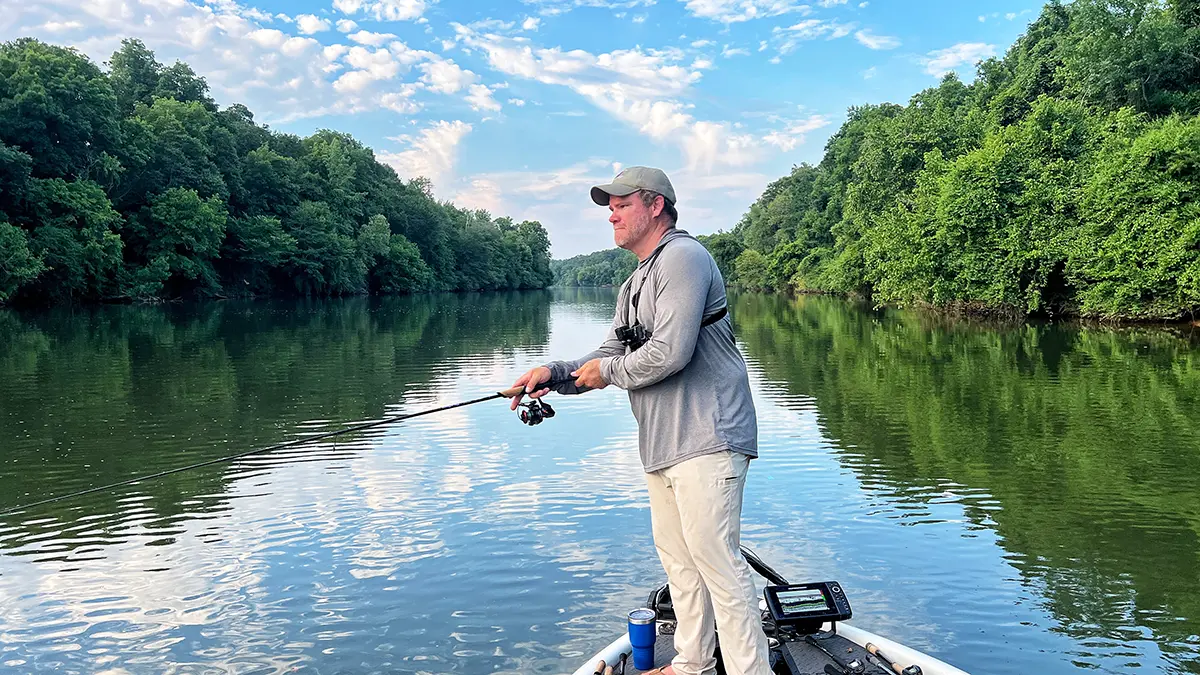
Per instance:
(893,650)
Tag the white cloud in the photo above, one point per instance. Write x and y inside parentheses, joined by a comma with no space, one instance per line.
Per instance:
(384,10)
(346,25)
(728,52)
(492,25)
(483,193)
(734,11)
(557,197)
(868,73)
(637,87)
(789,38)
(640,18)
(942,61)
(309,24)
(282,75)
(432,154)
(370,66)
(445,76)
(268,38)
(701,64)
(831,3)
(840,30)
(702,43)
(530,23)
(876,41)
(61,26)
(366,37)
(400,101)
(480,98)
(520,103)
(795,132)
(556,7)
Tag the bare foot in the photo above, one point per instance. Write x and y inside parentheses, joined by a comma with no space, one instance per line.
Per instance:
(665,670)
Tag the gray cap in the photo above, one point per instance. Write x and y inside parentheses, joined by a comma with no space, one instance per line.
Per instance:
(633,179)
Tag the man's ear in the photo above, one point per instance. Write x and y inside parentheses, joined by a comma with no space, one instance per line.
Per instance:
(660,203)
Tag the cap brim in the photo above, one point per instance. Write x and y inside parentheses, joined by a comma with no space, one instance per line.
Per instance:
(600,193)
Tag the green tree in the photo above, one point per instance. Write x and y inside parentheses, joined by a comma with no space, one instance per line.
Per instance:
(401,269)
(18,264)
(1044,186)
(75,231)
(254,248)
(56,107)
(1138,253)
(180,234)
(134,74)
(135,183)
(326,260)
(751,267)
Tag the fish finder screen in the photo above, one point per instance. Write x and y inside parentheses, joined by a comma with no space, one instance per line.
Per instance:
(803,601)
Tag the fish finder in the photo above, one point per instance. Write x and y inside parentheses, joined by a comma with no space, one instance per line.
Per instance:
(804,607)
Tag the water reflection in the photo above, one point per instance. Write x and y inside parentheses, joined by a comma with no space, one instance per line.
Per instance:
(1014,500)
(1078,449)
(168,386)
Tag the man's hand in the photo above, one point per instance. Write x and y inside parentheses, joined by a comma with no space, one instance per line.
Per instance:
(530,381)
(589,376)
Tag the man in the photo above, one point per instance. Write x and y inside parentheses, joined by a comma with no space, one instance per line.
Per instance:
(697,428)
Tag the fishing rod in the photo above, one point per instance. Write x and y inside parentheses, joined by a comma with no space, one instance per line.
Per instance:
(900,670)
(532,413)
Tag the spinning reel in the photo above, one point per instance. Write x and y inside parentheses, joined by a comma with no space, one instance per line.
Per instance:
(534,412)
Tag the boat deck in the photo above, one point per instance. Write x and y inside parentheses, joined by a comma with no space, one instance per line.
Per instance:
(801,657)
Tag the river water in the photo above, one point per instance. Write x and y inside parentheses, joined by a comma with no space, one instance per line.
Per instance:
(1010,499)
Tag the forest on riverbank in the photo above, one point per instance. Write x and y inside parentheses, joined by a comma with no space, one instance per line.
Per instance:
(1065,179)
(134,184)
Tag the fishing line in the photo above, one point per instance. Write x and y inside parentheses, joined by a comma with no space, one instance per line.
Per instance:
(507,393)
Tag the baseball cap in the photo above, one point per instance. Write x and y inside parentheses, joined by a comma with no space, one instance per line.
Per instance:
(631,180)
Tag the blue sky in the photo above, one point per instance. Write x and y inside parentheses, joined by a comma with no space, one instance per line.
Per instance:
(518,107)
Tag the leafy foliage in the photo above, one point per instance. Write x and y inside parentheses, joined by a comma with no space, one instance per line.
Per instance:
(1064,179)
(134,183)
(610,267)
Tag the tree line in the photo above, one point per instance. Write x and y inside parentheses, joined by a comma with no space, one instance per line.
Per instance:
(609,267)
(133,183)
(1037,418)
(1065,180)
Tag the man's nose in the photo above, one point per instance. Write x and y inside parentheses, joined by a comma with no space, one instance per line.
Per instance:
(612,217)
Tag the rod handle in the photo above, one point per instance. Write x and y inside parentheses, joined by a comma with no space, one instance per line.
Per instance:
(546,384)
(874,650)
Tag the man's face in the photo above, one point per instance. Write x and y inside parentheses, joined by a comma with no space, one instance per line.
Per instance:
(631,219)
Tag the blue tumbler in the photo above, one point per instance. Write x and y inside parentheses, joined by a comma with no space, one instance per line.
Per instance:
(641,637)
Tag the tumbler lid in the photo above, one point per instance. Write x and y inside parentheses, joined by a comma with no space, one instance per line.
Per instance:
(642,615)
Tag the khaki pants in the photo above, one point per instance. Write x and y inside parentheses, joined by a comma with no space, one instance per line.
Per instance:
(696,512)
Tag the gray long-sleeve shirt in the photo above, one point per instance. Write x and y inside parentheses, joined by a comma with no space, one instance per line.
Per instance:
(688,384)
